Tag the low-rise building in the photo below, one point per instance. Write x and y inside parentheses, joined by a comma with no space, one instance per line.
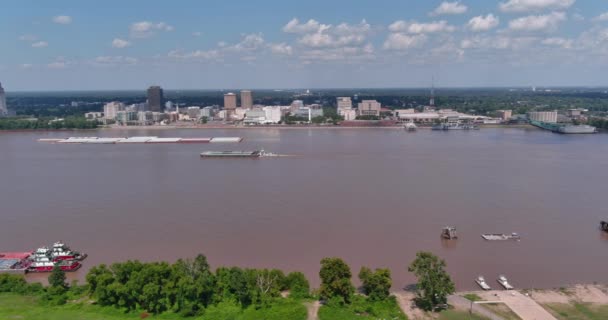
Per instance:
(369,108)
(505,115)
(194,112)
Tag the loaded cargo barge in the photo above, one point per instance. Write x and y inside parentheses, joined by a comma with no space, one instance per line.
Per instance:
(564,128)
(234,154)
(151,139)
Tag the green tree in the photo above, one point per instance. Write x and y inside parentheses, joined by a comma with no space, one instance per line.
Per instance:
(376,285)
(298,285)
(335,279)
(57,278)
(434,283)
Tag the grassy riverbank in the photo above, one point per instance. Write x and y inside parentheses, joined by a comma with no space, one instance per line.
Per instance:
(15,306)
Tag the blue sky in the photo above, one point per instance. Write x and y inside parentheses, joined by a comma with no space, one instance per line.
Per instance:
(187,44)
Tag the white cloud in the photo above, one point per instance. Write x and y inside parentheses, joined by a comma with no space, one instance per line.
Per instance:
(28,37)
(498,42)
(400,41)
(601,17)
(281,49)
(317,35)
(146,29)
(40,44)
(26,65)
(120,43)
(449,8)
(197,34)
(198,54)
(294,26)
(341,54)
(57,65)
(62,19)
(547,22)
(115,60)
(481,23)
(250,42)
(558,42)
(415,27)
(534,5)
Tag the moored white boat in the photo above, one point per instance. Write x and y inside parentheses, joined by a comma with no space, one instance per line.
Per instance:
(502,280)
(481,281)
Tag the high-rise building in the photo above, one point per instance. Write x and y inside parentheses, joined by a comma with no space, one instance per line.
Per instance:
(230,101)
(111,109)
(3,107)
(369,108)
(156,99)
(246,99)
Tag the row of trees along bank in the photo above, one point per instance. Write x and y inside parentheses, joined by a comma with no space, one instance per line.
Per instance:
(189,287)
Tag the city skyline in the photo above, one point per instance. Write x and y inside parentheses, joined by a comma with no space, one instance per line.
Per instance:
(342,44)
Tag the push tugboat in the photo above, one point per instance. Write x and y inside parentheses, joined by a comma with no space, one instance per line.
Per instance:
(41,262)
(62,252)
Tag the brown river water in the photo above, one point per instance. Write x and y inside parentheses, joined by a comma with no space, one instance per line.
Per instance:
(371,196)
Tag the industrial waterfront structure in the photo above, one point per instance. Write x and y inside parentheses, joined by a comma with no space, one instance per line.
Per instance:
(543,116)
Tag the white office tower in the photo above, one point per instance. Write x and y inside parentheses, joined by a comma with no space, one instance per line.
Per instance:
(3,107)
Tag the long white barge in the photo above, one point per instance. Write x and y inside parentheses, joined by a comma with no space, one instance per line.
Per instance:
(151,139)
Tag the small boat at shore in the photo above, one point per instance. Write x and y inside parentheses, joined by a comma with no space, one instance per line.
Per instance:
(502,280)
(500,236)
(481,281)
(410,126)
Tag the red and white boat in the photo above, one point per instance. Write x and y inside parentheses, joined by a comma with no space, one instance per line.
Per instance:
(61,252)
(41,262)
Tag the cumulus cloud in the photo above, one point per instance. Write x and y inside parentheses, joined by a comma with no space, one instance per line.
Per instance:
(534,5)
(40,44)
(558,42)
(547,22)
(317,35)
(198,54)
(197,34)
(483,23)
(28,37)
(418,28)
(281,49)
(115,60)
(497,42)
(120,43)
(57,65)
(601,17)
(294,26)
(400,41)
(146,29)
(250,42)
(449,8)
(341,54)
(62,19)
